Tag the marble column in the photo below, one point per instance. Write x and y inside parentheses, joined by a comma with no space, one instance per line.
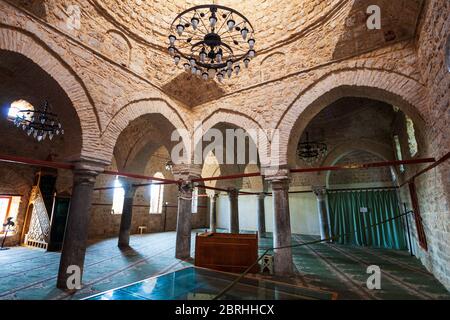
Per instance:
(184,222)
(261,211)
(213,212)
(233,195)
(321,194)
(76,233)
(283,263)
(127,214)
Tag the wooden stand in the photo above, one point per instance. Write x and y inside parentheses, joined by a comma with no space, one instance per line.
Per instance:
(226,252)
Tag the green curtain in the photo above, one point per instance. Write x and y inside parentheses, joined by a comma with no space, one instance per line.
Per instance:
(346,217)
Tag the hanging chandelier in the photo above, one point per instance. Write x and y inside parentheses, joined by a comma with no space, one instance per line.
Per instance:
(311,151)
(213,40)
(39,123)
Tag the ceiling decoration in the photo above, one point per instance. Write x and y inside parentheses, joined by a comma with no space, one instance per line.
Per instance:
(39,123)
(213,40)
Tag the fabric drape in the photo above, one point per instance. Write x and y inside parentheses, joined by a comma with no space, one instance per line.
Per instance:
(346,216)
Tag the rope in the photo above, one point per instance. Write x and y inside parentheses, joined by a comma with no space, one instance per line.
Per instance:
(237,280)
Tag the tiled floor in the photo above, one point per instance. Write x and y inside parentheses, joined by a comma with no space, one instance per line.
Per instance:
(31,274)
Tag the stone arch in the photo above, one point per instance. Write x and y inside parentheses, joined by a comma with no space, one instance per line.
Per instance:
(398,90)
(377,156)
(132,111)
(26,44)
(380,150)
(118,45)
(241,121)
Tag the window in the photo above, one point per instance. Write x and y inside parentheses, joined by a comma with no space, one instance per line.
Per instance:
(118,198)
(9,207)
(412,141)
(398,152)
(19,105)
(195,200)
(157,196)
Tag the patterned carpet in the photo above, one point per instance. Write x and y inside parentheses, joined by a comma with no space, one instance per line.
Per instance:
(31,274)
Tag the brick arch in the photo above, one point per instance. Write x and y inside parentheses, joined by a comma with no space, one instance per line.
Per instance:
(380,150)
(236,119)
(27,45)
(132,111)
(392,88)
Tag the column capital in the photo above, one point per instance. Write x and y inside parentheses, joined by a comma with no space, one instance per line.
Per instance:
(86,172)
(186,172)
(279,179)
(233,191)
(320,191)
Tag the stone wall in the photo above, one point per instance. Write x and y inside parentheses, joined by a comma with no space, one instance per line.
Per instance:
(434,187)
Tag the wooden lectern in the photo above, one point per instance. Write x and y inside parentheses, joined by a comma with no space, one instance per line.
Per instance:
(226,252)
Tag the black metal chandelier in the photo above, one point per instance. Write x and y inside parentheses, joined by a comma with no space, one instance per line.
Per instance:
(311,151)
(213,40)
(39,123)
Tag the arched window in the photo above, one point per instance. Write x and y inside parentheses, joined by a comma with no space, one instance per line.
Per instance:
(157,195)
(118,198)
(195,200)
(19,105)
(412,141)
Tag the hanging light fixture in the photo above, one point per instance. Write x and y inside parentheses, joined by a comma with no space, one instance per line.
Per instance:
(39,123)
(169,166)
(216,48)
(311,151)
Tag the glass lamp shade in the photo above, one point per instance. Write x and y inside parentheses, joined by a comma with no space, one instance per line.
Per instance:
(220,77)
(192,62)
(187,66)
(229,72)
(229,64)
(219,57)
(244,33)
(237,69)
(194,22)
(177,59)
(172,39)
(194,70)
(202,55)
(171,50)
(231,24)
(251,43)
(198,73)
(246,62)
(251,53)
(213,21)
(180,29)
(205,76)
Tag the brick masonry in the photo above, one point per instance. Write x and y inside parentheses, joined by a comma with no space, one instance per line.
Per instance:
(113,72)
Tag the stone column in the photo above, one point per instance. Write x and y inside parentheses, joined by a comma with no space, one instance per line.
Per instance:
(234,210)
(76,233)
(127,214)
(283,264)
(261,211)
(184,174)
(213,212)
(321,194)
(184,222)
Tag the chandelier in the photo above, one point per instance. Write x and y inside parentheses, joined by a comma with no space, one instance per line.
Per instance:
(213,41)
(311,151)
(39,123)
